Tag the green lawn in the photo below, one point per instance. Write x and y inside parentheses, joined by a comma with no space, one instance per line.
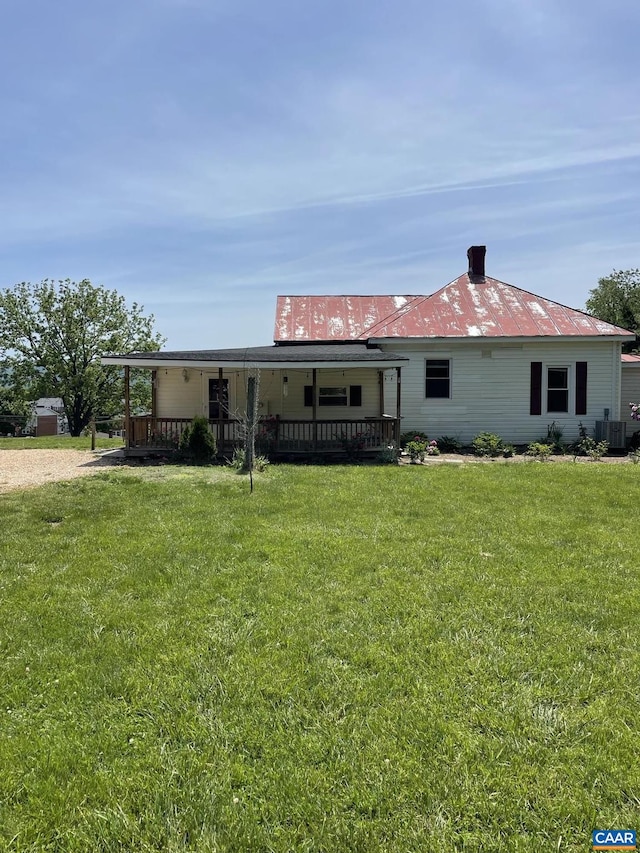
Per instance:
(58,442)
(350,659)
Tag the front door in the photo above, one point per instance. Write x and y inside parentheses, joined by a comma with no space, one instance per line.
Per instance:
(218,399)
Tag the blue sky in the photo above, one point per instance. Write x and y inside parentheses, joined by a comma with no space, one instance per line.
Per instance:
(202,156)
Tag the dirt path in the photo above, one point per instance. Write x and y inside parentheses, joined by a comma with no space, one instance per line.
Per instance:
(25,468)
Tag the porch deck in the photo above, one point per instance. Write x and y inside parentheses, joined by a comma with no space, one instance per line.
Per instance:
(275,438)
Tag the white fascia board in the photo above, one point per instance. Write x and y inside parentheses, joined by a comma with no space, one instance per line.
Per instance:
(236,365)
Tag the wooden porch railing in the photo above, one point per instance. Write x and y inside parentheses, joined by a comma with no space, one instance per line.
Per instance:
(274,436)
(165,433)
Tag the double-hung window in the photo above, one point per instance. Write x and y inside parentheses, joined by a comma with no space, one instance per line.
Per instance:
(438,378)
(558,389)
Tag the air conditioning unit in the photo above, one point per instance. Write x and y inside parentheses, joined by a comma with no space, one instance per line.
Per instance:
(615,432)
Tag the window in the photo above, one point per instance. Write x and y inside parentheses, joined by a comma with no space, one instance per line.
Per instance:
(438,378)
(334,395)
(557,389)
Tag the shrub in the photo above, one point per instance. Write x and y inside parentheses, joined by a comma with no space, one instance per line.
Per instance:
(413,435)
(260,463)
(7,428)
(588,446)
(418,449)
(594,449)
(634,441)
(554,438)
(389,455)
(449,444)
(577,447)
(238,459)
(539,450)
(197,442)
(487,444)
(354,444)
(508,451)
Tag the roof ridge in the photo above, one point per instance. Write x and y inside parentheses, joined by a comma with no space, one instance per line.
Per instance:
(347,295)
(399,312)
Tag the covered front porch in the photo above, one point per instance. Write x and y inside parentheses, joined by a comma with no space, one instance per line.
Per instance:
(275,437)
(320,400)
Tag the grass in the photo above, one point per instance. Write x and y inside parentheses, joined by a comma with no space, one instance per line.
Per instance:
(58,442)
(351,659)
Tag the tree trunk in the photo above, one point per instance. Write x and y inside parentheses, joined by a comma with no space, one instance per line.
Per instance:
(250,447)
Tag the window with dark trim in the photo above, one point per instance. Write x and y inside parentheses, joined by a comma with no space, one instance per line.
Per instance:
(438,378)
(557,389)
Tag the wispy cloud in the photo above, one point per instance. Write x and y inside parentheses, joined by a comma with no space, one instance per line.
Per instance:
(187,147)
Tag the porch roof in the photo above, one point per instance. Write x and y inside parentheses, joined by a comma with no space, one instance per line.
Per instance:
(283,356)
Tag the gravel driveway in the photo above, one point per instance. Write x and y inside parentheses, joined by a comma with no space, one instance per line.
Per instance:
(23,468)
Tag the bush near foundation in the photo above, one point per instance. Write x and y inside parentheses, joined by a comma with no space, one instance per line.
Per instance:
(197,442)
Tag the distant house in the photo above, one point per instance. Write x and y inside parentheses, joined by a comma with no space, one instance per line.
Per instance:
(47,417)
(476,355)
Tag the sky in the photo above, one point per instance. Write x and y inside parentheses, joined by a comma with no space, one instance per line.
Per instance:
(203,156)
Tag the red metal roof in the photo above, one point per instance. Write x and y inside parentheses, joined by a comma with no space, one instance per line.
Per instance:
(466,307)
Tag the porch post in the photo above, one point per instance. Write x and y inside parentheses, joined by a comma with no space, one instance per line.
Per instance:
(381,391)
(220,447)
(398,398)
(127,407)
(314,408)
(154,393)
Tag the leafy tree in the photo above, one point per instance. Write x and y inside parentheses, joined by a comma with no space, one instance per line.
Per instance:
(52,336)
(616,299)
(13,400)
(12,403)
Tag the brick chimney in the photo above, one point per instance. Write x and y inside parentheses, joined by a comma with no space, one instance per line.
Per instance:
(476,261)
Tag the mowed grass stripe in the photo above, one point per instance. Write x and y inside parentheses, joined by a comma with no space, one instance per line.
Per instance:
(351,658)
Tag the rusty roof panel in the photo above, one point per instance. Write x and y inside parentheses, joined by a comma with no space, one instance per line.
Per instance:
(466,307)
(332,318)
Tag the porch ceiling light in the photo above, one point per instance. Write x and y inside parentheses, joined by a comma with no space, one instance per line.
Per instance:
(185,374)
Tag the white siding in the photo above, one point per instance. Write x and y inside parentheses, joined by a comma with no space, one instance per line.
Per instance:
(490,388)
(179,399)
(630,394)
